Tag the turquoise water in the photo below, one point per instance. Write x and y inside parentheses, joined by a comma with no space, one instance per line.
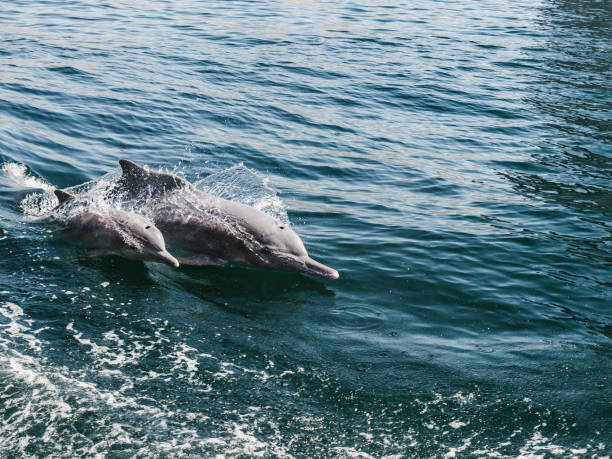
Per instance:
(451,159)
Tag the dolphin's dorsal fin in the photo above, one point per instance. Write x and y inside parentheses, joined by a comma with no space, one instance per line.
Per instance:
(63,196)
(135,176)
(130,168)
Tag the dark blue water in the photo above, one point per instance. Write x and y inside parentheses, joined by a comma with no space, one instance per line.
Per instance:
(452,160)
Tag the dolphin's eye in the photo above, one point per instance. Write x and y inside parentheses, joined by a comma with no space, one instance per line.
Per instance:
(281,227)
(148,226)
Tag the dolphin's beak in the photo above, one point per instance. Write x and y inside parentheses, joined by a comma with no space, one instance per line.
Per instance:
(164,256)
(319,269)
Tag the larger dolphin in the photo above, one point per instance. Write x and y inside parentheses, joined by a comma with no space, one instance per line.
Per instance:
(203,229)
(111,232)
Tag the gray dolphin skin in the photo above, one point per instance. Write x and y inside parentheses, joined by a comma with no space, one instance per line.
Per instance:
(207,230)
(113,232)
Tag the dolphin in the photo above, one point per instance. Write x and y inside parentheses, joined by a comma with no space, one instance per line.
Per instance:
(208,230)
(112,232)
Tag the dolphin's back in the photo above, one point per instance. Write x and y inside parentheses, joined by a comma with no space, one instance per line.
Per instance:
(220,234)
(89,229)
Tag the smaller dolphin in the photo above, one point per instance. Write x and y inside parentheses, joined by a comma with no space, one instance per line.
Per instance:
(113,232)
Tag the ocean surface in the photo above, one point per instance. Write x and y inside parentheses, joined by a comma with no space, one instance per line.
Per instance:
(452,160)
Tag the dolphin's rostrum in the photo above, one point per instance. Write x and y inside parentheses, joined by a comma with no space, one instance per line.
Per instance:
(202,229)
(112,231)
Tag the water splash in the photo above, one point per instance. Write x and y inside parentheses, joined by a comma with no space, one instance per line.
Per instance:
(19,176)
(35,204)
(237,183)
(241,184)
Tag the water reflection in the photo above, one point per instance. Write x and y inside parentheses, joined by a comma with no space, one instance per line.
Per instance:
(572,89)
(568,175)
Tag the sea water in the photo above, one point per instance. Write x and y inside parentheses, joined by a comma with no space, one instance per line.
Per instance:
(452,160)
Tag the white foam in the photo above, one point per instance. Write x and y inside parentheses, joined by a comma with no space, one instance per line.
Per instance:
(34,204)
(15,329)
(45,391)
(351,452)
(538,446)
(457,424)
(183,362)
(38,204)
(18,175)
(452,452)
